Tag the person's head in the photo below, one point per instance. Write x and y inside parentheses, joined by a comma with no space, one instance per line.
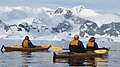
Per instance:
(26,37)
(76,37)
(92,39)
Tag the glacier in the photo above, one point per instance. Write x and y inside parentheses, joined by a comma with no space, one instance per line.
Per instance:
(58,24)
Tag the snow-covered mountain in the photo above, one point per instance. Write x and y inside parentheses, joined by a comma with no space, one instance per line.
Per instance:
(60,24)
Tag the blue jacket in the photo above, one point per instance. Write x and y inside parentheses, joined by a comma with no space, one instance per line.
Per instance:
(76,46)
(80,44)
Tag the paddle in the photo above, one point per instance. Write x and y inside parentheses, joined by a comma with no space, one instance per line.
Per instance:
(55,48)
(44,45)
(16,45)
(99,51)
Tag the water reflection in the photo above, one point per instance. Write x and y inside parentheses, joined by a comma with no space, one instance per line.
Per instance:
(86,61)
(34,59)
(26,55)
(76,61)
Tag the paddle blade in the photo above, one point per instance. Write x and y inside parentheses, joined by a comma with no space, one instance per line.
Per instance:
(100,51)
(45,45)
(16,45)
(54,48)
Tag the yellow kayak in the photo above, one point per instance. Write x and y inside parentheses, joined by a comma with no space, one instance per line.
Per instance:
(99,52)
(37,48)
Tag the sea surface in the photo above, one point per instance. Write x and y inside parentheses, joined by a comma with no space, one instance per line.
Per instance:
(45,58)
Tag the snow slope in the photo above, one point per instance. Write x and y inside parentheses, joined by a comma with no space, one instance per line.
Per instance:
(56,24)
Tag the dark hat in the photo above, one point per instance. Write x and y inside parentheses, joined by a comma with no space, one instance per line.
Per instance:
(27,37)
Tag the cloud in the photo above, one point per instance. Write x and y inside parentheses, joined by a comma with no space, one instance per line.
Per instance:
(92,4)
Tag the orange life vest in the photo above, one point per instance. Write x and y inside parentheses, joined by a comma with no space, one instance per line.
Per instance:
(25,43)
(90,44)
(74,42)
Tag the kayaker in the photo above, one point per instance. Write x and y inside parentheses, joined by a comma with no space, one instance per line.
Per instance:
(92,45)
(27,43)
(76,45)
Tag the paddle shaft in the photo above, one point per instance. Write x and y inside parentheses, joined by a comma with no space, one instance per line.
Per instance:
(65,49)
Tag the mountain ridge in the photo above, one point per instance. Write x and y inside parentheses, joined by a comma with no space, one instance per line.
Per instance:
(65,21)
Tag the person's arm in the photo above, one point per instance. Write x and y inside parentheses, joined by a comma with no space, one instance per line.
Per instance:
(81,45)
(69,45)
(96,46)
(22,44)
(87,46)
(30,44)
(82,48)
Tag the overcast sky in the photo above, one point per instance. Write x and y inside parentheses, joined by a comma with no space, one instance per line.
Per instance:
(109,5)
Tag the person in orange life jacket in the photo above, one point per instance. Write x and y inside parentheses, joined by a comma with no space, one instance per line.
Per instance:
(27,43)
(92,45)
(76,45)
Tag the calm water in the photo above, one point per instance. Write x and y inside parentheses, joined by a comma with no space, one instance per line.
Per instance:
(39,59)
